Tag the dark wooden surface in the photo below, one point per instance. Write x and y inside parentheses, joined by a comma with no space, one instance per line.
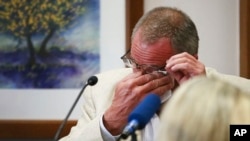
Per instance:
(32,129)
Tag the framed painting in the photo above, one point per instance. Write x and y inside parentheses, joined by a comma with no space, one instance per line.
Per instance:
(48,43)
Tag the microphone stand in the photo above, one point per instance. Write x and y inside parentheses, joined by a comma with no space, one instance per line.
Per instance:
(133,137)
(66,118)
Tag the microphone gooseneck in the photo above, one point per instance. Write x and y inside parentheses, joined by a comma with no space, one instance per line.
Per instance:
(91,81)
(142,114)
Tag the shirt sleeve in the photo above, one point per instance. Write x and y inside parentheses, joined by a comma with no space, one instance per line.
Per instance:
(105,133)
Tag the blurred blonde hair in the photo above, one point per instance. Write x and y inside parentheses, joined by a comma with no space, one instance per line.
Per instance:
(202,110)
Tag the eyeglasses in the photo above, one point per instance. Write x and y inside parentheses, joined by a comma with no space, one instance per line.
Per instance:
(131,63)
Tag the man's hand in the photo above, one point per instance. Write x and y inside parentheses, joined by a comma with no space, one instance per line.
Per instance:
(128,93)
(184,66)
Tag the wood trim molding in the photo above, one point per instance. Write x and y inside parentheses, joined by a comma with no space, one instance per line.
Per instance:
(134,10)
(244,38)
(32,129)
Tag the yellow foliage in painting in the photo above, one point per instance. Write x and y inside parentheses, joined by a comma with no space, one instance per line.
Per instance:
(22,17)
(4,15)
(20,13)
(31,21)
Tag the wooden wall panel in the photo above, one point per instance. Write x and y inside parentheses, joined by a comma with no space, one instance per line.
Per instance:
(32,129)
(245,38)
(134,10)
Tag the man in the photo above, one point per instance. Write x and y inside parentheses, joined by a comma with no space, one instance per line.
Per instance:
(163,55)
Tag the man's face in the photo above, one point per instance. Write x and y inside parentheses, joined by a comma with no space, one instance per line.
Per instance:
(154,54)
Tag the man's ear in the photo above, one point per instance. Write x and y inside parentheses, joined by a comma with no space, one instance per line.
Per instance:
(196,56)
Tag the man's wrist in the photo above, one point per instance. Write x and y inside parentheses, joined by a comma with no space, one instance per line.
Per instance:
(113,126)
(106,135)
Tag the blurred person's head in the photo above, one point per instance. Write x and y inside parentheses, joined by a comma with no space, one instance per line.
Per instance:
(202,109)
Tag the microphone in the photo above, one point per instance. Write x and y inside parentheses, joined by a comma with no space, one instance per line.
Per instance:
(142,114)
(91,81)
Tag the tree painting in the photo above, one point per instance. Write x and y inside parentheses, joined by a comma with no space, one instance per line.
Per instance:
(48,43)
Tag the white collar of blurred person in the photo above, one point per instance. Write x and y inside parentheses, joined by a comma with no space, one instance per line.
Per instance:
(166,96)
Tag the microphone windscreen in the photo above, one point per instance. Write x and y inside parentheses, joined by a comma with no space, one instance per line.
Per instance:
(92,80)
(145,110)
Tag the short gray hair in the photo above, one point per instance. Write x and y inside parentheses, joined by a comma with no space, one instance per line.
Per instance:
(171,23)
